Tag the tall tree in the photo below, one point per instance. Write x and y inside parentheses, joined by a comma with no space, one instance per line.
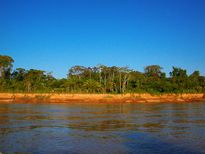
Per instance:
(179,77)
(5,64)
(153,70)
(76,71)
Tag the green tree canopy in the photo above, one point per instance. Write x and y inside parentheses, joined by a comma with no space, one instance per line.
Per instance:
(153,70)
(99,79)
(5,64)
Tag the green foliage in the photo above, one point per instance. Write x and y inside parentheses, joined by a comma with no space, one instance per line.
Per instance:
(5,66)
(153,70)
(99,79)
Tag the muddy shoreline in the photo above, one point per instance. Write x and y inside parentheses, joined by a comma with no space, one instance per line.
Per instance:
(99,98)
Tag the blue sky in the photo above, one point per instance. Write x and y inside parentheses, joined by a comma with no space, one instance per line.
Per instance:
(54,35)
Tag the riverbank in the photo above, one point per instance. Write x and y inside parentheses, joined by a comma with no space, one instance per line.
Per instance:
(98,98)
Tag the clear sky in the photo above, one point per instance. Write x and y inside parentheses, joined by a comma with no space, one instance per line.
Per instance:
(54,35)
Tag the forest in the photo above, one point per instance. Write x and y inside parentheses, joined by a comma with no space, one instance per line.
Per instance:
(99,79)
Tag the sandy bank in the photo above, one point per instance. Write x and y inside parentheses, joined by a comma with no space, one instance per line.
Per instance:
(98,98)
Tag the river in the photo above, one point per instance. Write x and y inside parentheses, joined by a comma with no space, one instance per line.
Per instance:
(102,128)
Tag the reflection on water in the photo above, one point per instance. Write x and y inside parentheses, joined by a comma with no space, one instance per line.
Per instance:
(103,128)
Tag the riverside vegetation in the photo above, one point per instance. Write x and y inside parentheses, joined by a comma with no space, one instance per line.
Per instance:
(99,79)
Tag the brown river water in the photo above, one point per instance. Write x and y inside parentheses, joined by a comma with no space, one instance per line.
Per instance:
(102,128)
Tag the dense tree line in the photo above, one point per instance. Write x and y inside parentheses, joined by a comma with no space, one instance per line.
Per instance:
(99,79)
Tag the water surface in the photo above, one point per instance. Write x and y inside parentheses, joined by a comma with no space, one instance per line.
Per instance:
(103,128)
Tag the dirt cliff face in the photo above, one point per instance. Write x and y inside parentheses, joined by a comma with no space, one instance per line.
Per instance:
(99,98)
